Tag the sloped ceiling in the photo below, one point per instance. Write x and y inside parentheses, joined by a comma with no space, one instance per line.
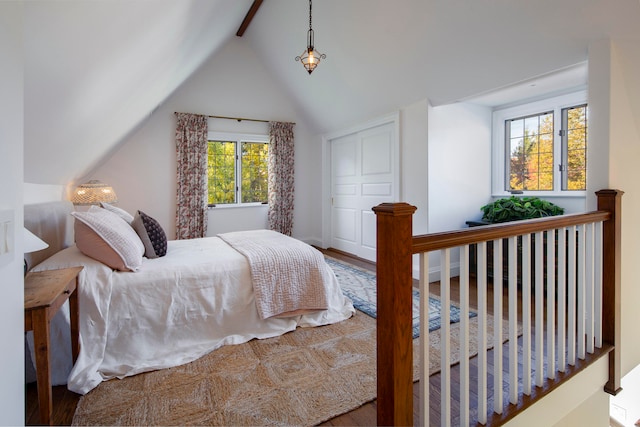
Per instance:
(382,55)
(95,70)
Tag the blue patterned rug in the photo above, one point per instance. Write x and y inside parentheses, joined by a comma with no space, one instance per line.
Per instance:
(360,286)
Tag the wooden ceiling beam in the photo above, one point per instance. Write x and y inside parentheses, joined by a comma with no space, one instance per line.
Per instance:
(249,16)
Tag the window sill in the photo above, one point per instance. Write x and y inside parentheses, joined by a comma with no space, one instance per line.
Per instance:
(545,194)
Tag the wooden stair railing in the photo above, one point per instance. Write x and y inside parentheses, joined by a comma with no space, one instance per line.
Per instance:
(394,313)
(395,248)
(611,201)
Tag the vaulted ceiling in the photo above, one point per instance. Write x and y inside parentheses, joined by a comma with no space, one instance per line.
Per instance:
(95,70)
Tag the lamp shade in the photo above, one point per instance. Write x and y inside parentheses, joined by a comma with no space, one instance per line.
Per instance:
(92,193)
(32,243)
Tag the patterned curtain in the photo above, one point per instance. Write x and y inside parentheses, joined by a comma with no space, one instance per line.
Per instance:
(191,150)
(281,177)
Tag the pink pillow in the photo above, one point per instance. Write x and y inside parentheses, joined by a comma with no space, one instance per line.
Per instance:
(95,247)
(107,238)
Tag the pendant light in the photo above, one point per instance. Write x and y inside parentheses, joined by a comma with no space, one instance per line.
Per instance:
(310,58)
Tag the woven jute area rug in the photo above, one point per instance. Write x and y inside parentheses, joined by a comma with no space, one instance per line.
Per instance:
(304,377)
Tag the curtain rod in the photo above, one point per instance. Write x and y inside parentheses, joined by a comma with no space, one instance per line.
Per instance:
(239,119)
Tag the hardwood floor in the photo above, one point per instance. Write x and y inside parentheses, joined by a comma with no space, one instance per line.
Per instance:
(65,401)
(64,405)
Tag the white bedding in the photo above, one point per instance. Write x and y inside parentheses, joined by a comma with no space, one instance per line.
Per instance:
(172,311)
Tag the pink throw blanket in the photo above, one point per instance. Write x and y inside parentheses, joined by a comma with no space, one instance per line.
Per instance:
(287,274)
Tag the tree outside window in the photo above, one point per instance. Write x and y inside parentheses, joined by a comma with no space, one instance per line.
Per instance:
(534,143)
(237,172)
(255,157)
(531,147)
(574,176)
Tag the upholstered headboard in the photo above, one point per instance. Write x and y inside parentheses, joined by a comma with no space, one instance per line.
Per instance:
(53,223)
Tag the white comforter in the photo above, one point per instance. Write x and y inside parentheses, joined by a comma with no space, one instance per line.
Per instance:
(172,311)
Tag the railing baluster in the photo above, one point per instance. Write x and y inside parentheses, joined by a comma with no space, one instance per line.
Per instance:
(424,339)
(539,291)
(580,321)
(571,299)
(513,320)
(589,283)
(464,336)
(598,284)
(497,326)
(482,332)
(562,297)
(551,303)
(526,314)
(445,345)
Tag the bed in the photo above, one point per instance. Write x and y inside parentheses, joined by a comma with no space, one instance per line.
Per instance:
(174,308)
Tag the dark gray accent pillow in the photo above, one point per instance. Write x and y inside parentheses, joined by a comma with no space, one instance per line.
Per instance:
(152,235)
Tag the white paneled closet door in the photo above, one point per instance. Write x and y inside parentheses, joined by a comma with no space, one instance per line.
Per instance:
(363,175)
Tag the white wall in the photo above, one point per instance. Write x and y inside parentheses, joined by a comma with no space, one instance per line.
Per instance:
(232,83)
(599,119)
(94,70)
(11,176)
(578,402)
(414,177)
(614,85)
(459,170)
(225,219)
(459,164)
(624,174)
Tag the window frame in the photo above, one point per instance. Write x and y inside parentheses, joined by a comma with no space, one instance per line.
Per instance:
(238,139)
(565,144)
(499,142)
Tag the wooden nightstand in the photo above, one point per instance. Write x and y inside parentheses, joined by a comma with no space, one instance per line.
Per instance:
(44,294)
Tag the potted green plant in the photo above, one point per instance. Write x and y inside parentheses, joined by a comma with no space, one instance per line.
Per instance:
(511,209)
(516,208)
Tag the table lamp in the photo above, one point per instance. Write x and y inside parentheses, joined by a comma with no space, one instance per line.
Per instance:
(32,243)
(92,193)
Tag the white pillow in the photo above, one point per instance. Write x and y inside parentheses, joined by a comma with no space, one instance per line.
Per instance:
(115,232)
(118,211)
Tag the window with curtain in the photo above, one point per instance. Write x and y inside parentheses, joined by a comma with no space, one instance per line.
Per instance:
(232,169)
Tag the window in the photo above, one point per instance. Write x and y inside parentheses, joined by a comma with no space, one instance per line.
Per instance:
(542,145)
(574,148)
(237,169)
(530,141)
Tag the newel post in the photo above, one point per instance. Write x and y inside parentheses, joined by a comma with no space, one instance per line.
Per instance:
(394,313)
(611,200)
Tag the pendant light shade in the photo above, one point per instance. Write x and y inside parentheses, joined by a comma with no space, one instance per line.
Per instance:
(310,58)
